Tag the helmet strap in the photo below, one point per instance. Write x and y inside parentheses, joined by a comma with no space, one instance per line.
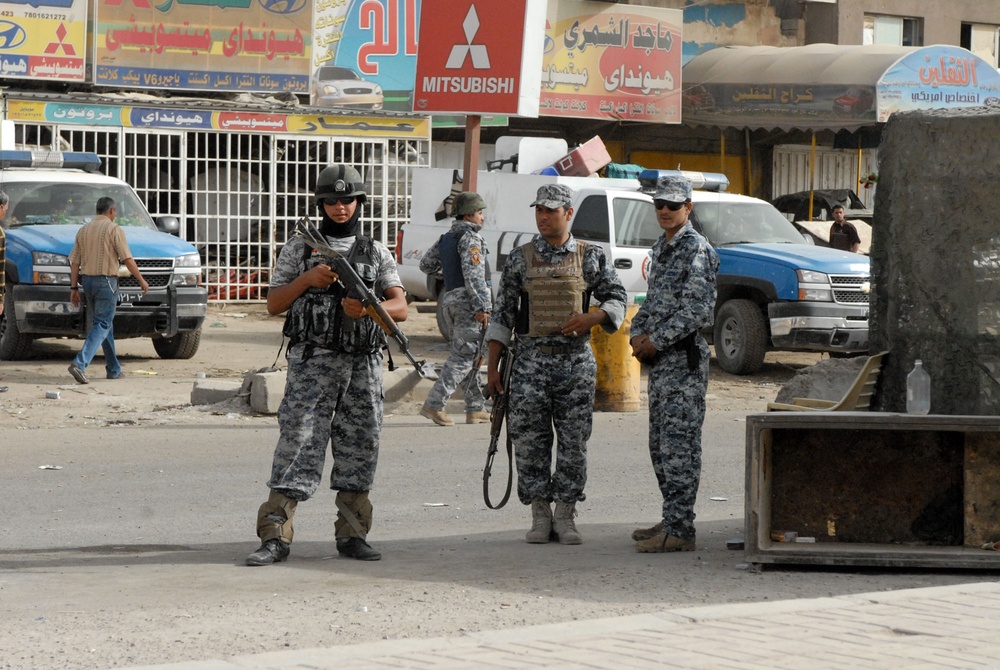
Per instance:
(347,229)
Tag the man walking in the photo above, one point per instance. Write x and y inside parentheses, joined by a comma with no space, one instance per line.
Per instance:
(100,249)
(843,234)
(461,256)
(545,291)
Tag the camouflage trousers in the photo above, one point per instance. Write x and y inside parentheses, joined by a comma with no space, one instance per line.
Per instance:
(333,398)
(676,415)
(458,369)
(551,395)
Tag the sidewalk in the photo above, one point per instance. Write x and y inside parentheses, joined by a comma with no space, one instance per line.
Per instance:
(938,627)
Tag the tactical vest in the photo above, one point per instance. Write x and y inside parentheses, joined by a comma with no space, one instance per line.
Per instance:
(451,264)
(317,319)
(554,290)
(451,261)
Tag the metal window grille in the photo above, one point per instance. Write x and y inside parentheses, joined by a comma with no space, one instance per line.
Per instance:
(238,196)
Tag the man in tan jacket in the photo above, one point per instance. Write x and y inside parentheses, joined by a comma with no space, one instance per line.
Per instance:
(100,249)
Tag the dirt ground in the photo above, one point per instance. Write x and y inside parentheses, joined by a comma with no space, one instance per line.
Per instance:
(114,561)
(241,338)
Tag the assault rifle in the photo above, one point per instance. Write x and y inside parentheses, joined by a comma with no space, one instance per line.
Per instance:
(500,407)
(352,284)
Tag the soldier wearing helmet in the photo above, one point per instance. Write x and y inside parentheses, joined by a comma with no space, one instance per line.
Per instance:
(333,392)
(461,257)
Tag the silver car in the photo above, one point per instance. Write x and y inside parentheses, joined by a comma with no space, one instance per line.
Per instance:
(334,86)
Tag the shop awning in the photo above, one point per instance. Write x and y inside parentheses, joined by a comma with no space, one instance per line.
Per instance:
(830,86)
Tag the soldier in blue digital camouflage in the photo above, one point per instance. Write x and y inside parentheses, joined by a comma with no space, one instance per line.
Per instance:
(333,392)
(542,302)
(460,255)
(665,335)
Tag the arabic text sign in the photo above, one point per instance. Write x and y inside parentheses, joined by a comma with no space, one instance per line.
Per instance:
(938,77)
(150,117)
(231,45)
(479,57)
(621,62)
(43,39)
(377,41)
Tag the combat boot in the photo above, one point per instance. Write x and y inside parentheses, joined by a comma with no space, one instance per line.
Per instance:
(437,416)
(564,525)
(541,522)
(355,547)
(663,543)
(271,551)
(640,534)
(478,416)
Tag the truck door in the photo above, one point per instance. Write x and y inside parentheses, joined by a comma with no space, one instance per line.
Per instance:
(628,241)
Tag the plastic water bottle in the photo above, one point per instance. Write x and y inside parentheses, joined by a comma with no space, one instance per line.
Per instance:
(918,390)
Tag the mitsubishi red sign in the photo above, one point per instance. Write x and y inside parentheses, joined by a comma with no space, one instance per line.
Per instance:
(480,57)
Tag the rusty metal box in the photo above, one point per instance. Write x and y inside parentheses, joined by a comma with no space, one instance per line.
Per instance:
(873,489)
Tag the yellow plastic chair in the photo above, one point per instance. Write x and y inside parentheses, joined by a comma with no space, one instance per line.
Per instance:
(858,397)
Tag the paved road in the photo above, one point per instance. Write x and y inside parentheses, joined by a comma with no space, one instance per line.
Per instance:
(944,627)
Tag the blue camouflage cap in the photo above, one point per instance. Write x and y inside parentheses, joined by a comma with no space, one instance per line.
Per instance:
(553,196)
(673,189)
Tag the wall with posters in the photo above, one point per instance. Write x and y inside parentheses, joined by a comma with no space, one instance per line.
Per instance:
(225,45)
(43,39)
(612,62)
(376,41)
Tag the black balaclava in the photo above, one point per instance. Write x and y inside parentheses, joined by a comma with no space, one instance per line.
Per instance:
(346,229)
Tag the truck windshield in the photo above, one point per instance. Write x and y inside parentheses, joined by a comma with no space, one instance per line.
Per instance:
(53,203)
(742,223)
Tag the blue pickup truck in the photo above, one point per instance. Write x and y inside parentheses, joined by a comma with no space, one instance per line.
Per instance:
(51,196)
(775,290)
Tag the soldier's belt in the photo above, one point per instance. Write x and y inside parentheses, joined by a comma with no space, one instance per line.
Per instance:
(560,349)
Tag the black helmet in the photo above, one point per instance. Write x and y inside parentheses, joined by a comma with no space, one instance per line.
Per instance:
(337,181)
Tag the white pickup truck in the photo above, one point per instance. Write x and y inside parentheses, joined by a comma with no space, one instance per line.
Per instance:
(775,291)
(510,222)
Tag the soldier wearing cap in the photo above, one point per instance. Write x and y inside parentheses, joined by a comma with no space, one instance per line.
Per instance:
(665,335)
(544,293)
(333,392)
(460,256)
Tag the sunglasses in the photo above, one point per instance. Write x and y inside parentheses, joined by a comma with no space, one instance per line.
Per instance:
(672,206)
(343,200)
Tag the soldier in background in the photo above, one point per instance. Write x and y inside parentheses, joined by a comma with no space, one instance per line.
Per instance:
(544,294)
(462,257)
(333,393)
(665,335)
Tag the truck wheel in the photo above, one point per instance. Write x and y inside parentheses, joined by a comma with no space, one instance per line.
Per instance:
(444,323)
(740,337)
(181,345)
(14,345)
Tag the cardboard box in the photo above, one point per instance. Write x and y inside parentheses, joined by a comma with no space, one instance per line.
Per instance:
(585,160)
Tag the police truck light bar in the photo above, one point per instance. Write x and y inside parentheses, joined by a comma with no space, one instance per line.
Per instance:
(82,160)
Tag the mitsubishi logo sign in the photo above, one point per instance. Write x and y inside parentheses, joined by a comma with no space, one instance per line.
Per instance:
(490,61)
(480,57)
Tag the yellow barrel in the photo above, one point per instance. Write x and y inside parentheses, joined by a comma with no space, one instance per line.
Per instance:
(618,373)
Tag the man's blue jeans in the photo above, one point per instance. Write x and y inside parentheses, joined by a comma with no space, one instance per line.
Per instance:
(101,295)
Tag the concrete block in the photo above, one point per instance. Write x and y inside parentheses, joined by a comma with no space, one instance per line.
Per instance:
(266,391)
(211,391)
(405,384)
